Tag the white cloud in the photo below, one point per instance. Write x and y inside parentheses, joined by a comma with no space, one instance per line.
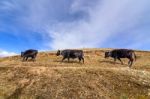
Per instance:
(85,23)
(4,53)
(106,19)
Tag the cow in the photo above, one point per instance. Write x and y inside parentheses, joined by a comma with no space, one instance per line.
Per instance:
(68,53)
(29,53)
(122,53)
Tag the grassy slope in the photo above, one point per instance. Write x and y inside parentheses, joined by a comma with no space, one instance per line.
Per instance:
(100,78)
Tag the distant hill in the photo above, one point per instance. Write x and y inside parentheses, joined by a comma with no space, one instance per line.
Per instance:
(97,78)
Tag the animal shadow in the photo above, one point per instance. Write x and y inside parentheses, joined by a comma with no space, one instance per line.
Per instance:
(110,62)
(29,60)
(70,62)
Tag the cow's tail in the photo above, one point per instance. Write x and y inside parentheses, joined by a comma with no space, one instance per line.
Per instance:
(82,55)
(134,55)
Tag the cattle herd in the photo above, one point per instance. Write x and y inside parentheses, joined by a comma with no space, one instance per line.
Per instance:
(69,53)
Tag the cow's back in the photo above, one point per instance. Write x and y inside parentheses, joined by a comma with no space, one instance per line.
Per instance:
(71,53)
(30,52)
(121,53)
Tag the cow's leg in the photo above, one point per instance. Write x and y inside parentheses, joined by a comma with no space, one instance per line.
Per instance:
(26,58)
(68,59)
(68,56)
(120,60)
(79,59)
(115,60)
(82,59)
(63,59)
(131,62)
(33,58)
(23,59)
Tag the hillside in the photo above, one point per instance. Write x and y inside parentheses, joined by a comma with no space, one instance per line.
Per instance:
(97,78)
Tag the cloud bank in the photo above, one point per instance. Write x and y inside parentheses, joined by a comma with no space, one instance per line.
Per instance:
(85,23)
(105,20)
(5,53)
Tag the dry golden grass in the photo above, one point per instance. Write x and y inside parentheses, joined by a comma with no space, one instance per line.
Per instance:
(97,78)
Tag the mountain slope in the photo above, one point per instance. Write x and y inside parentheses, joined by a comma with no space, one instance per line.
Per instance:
(97,78)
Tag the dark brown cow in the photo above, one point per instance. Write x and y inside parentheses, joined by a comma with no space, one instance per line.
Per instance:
(29,53)
(71,54)
(122,53)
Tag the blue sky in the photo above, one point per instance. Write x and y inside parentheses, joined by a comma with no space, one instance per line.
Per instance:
(60,24)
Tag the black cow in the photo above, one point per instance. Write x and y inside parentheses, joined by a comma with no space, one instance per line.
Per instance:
(122,53)
(71,54)
(29,53)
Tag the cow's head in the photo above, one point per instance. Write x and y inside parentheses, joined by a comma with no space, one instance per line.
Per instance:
(22,54)
(107,54)
(58,53)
